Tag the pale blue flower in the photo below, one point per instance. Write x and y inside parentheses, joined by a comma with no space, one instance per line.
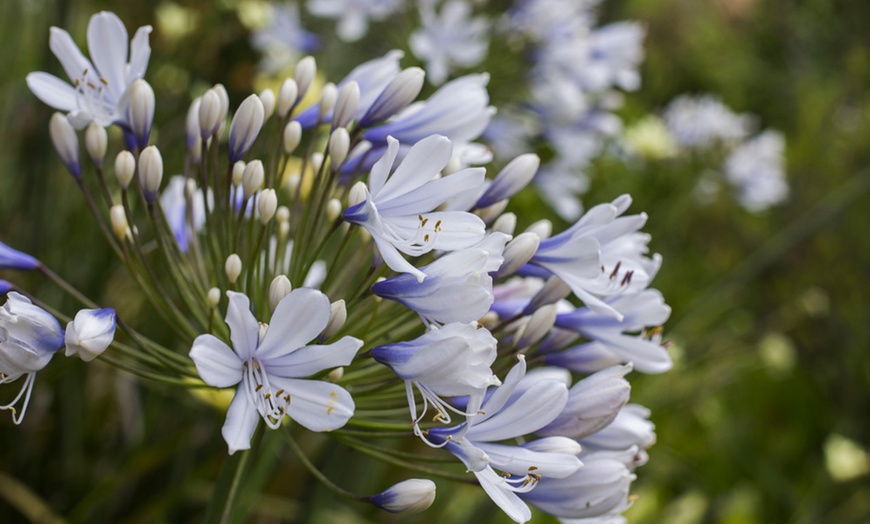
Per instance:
(29,337)
(756,169)
(270,369)
(99,90)
(449,39)
(697,121)
(284,38)
(397,209)
(353,15)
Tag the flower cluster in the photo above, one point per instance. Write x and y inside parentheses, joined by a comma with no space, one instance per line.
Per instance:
(365,232)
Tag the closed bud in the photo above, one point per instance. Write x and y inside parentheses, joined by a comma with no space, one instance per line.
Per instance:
(345,105)
(506,223)
(517,253)
(287,96)
(209,114)
(238,171)
(90,333)
(398,94)
(292,136)
(267,204)
(233,268)
(554,290)
(537,327)
(267,97)
(357,194)
(118,219)
(150,172)
(278,289)
(141,111)
(224,98)
(335,375)
(339,145)
(283,214)
(488,214)
(409,496)
(304,74)
(543,228)
(333,209)
(125,168)
(193,136)
(515,176)
(213,298)
(66,143)
(190,188)
(96,142)
(283,230)
(327,99)
(337,318)
(245,127)
(316,161)
(252,178)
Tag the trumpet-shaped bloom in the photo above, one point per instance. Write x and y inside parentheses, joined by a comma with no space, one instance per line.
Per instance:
(90,333)
(29,337)
(453,360)
(398,211)
(99,91)
(270,369)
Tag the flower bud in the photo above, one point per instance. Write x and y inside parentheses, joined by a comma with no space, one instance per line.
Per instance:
(233,268)
(537,327)
(304,74)
(335,375)
(238,172)
(287,96)
(515,176)
(245,127)
(327,99)
(283,214)
(316,161)
(554,290)
(150,172)
(409,496)
(339,144)
(252,178)
(333,209)
(125,168)
(224,98)
(66,143)
(193,137)
(118,219)
(357,194)
(209,114)
(337,318)
(278,289)
(267,97)
(345,105)
(517,253)
(292,136)
(542,228)
(141,111)
(488,214)
(14,259)
(213,298)
(96,142)
(90,333)
(267,204)
(506,223)
(400,92)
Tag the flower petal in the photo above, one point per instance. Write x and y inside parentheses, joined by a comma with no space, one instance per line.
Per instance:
(215,362)
(319,406)
(425,160)
(518,460)
(140,53)
(242,418)
(52,90)
(107,43)
(534,409)
(244,328)
(299,317)
(308,360)
(68,54)
(500,493)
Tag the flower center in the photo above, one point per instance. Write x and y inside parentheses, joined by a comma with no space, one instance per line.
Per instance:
(271,404)
(93,97)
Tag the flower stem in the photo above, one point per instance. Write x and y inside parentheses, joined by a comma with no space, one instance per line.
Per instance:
(226,491)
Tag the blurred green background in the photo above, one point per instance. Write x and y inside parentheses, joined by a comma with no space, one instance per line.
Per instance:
(764,417)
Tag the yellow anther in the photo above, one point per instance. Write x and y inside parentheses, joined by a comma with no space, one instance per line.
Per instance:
(104,81)
(259,387)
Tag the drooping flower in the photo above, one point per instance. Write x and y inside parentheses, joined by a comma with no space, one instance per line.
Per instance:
(398,211)
(90,333)
(99,90)
(270,370)
(29,337)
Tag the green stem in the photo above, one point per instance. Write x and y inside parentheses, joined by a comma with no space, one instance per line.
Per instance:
(226,491)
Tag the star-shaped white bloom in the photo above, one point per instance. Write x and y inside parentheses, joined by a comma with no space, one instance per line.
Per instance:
(269,369)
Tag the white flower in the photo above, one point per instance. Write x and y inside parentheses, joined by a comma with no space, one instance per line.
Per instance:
(449,39)
(756,169)
(99,90)
(353,15)
(702,120)
(270,371)
(283,39)
(90,333)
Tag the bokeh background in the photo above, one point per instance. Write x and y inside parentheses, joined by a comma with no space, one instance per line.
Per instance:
(766,414)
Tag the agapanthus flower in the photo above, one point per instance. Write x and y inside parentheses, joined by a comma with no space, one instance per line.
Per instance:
(29,337)
(397,209)
(99,91)
(270,367)
(90,333)
(353,15)
(449,39)
(756,169)
(703,120)
(284,38)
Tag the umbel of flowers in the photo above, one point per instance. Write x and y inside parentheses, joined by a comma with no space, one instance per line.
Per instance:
(361,266)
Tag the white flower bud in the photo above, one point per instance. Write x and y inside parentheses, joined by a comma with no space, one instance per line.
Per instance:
(339,145)
(267,204)
(400,92)
(517,253)
(283,229)
(283,214)
(327,99)
(292,136)
(96,142)
(409,496)
(213,298)
(267,97)
(125,168)
(245,127)
(194,136)
(189,188)
(316,161)
(150,171)
(304,74)
(118,219)
(554,445)
(278,289)
(90,333)
(224,98)
(333,209)
(554,290)
(287,96)
(345,105)
(543,228)
(209,114)
(252,178)
(335,375)
(292,183)
(238,171)
(141,111)
(537,327)
(506,223)
(233,268)
(357,194)
(337,318)
(66,143)
(488,214)
(515,176)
